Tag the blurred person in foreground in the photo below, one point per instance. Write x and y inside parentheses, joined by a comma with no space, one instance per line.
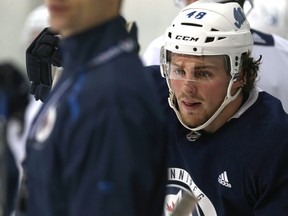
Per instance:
(98,144)
(273,48)
(229,140)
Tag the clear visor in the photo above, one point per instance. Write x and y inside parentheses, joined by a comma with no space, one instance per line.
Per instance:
(196,68)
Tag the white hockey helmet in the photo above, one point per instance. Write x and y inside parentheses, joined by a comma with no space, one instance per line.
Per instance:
(208,29)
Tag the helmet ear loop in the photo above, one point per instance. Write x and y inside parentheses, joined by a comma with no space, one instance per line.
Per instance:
(241,78)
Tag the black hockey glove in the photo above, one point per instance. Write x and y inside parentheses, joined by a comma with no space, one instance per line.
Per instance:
(40,55)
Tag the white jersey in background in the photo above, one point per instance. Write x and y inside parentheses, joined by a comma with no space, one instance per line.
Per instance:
(151,55)
(273,73)
(270,16)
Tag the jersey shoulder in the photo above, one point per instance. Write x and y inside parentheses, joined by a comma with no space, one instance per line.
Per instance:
(261,38)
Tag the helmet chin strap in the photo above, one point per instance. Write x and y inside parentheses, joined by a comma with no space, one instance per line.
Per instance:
(195,134)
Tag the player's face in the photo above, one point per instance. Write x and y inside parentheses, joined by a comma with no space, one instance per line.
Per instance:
(73,16)
(200,85)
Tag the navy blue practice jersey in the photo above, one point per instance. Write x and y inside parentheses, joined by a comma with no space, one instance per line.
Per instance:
(239,170)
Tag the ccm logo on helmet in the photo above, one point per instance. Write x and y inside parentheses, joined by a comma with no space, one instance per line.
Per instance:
(186,38)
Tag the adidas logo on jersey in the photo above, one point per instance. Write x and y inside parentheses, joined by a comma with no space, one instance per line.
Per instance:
(223,180)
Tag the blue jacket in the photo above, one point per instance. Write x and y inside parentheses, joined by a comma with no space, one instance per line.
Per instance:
(98,145)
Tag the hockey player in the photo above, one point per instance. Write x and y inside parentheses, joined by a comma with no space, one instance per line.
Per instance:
(229,140)
(98,144)
(273,74)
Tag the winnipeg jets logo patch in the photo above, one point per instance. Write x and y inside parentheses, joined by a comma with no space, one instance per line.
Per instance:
(179,180)
(46,125)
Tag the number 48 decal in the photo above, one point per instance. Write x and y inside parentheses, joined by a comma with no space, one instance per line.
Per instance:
(196,14)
